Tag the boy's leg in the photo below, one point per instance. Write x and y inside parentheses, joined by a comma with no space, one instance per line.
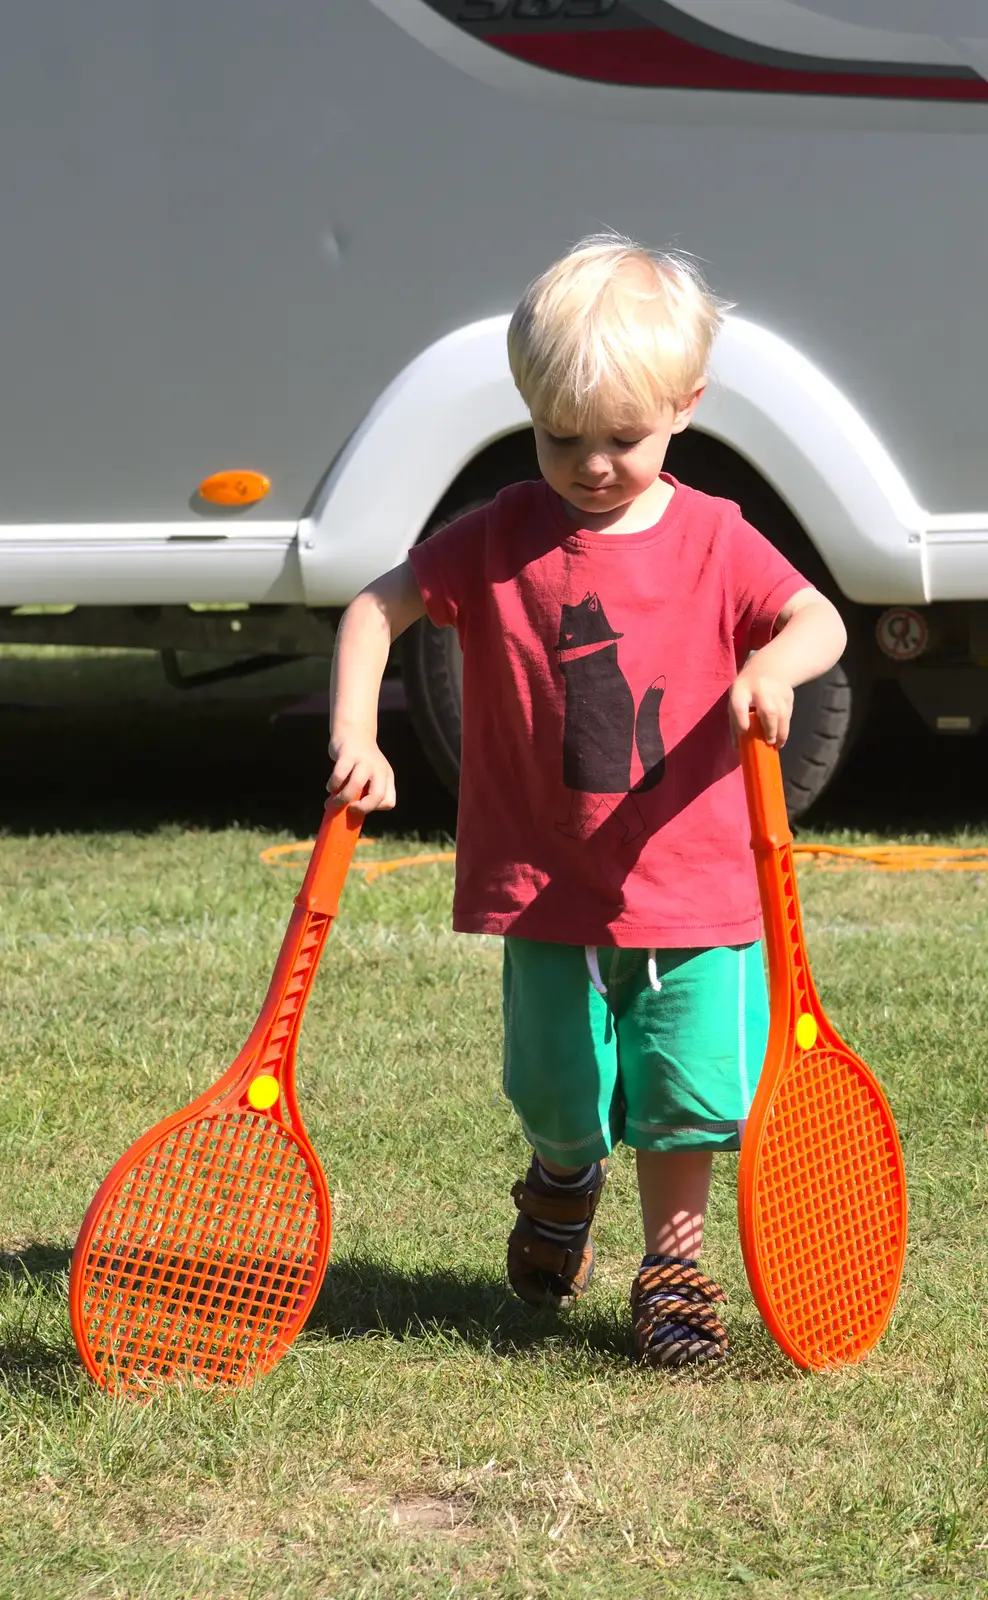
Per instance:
(560,1073)
(670,1297)
(674,1186)
(690,1056)
(550,1251)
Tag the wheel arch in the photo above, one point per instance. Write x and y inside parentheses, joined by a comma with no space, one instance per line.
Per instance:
(455,404)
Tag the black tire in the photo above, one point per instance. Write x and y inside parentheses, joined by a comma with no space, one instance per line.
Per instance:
(819,739)
(432,667)
(432,671)
(828,712)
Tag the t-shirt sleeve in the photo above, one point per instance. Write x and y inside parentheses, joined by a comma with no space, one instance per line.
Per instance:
(449,567)
(762,581)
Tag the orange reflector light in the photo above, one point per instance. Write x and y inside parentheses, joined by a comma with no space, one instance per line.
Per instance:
(235,488)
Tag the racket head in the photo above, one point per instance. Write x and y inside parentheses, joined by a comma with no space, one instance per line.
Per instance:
(202,1252)
(822,1204)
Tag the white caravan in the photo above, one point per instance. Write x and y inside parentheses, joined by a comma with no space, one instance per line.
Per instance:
(284,238)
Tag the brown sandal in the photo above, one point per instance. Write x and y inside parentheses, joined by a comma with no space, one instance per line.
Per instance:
(675,1324)
(540,1271)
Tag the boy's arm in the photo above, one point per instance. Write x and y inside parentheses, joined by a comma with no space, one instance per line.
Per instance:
(378,615)
(809,639)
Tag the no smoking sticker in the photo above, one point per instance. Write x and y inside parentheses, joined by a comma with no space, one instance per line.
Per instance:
(902,634)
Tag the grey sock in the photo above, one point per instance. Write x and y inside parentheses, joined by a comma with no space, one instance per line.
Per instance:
(574,1183)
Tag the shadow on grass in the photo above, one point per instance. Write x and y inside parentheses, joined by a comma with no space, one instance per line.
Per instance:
(42,1264)
(34,1367)
(362,1299)
(30,1362)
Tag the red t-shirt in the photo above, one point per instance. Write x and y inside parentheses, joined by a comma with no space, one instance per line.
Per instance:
(601,800)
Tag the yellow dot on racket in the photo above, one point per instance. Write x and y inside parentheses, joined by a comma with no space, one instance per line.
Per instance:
(263,1092)
(806,1031)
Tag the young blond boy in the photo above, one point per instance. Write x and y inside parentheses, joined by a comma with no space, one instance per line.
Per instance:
(608,616)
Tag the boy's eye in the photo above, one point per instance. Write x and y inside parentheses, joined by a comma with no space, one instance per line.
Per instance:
(557,438)
(627,444)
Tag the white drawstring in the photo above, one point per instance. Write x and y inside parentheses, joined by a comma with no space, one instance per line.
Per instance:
(593,967)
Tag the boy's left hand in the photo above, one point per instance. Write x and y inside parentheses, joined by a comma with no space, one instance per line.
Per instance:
(771,698)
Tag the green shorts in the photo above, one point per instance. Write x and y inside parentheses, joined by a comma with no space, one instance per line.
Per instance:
(667,1070)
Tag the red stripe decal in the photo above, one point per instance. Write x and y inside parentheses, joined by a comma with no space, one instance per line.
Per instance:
(652,58)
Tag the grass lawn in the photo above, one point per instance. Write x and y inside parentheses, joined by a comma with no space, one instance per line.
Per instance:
(428,1436)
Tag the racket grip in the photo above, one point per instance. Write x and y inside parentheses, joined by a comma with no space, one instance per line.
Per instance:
(330,860)
(767,812)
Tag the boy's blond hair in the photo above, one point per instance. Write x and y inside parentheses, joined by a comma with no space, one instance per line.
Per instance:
(613,331)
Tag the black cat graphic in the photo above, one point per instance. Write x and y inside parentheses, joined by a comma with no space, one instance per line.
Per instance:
(602,728)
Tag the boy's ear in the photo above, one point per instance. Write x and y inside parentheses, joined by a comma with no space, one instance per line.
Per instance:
(686,408)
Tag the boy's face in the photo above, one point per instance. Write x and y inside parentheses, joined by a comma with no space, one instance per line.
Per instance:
(604,471)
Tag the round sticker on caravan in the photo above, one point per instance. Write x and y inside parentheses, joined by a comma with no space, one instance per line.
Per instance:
(902,633)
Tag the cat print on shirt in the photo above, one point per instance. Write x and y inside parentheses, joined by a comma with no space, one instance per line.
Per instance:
(602,727)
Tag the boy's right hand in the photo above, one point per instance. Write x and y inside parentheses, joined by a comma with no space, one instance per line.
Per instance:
(361,775)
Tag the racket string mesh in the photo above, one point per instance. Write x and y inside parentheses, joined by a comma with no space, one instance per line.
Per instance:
(204,1256)
(830,1201)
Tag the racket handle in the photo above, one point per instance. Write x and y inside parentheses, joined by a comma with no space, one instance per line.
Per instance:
(770,828)
(330,860)
(790,983)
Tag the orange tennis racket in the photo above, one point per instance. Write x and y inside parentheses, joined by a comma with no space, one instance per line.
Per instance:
(204,1248)
(821,1181)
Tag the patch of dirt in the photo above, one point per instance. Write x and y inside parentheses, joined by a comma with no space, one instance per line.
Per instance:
(424,1513)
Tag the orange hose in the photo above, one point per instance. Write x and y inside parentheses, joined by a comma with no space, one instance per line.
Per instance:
(376,869)
(894,857)
(297,855)
(832,857)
